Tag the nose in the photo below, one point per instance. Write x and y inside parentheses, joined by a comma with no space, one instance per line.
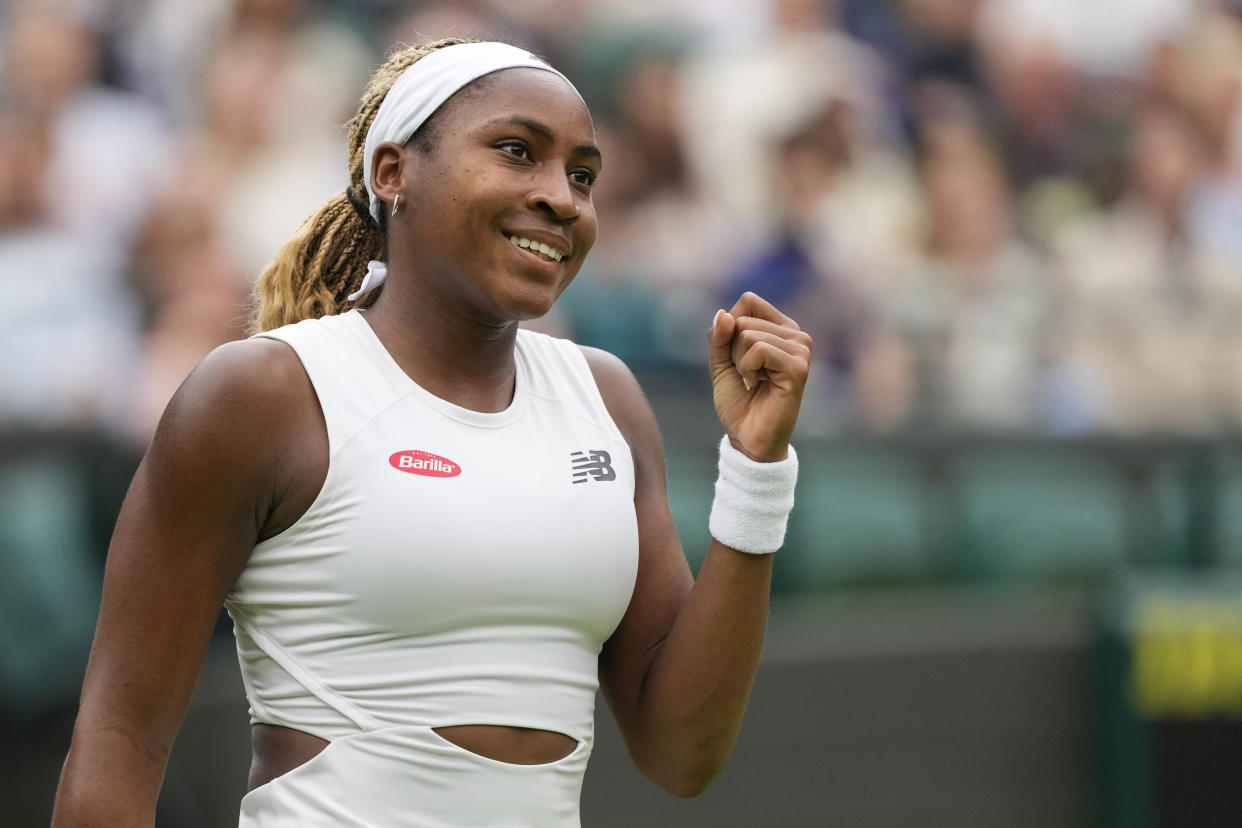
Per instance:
(554,196)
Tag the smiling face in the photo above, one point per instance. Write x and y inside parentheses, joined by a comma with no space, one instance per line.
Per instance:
(495,214)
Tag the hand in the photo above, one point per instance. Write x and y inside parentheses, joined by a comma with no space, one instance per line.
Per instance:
(759,361)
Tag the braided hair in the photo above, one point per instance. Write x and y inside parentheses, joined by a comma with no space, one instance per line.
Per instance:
(324,262)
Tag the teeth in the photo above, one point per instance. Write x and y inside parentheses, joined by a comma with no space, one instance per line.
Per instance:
(539,248)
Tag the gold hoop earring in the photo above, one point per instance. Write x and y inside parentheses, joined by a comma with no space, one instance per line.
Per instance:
(396,203)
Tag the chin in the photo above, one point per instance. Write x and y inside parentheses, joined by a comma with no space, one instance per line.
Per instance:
(526,313)
(529,304)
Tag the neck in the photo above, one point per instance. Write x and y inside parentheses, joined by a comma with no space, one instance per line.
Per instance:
(457,357)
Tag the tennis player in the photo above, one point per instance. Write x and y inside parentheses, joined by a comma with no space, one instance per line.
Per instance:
(438,534)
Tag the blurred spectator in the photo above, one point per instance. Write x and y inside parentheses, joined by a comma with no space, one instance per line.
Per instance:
(277,91)
(848,215)
(921,42)
(66,336)
(662,247)
(969,321)
(1103,38)
(96,189)
(740,98)
(265,153)
(162,47)
(1150,311)
(195,296)
(758,144)
(80,162)
(1203,73)
(524,24)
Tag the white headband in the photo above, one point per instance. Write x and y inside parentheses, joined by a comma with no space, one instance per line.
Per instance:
(427,84)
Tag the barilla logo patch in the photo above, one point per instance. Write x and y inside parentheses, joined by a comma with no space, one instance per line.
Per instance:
(424,463)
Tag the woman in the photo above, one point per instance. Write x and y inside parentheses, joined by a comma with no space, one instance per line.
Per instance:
(437,534)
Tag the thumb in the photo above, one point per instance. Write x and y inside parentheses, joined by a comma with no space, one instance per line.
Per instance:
(720,342)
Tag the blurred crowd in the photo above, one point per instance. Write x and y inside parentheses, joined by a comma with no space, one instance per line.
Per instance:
(1001,216)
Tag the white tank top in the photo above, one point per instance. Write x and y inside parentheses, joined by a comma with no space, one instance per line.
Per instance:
(457,567)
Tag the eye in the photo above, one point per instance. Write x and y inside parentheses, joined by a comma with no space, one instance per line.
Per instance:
(516,148)
(583,176)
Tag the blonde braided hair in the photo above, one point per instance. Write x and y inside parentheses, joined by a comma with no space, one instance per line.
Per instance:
(324,262)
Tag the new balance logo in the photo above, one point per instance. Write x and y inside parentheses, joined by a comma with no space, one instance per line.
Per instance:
(592,465)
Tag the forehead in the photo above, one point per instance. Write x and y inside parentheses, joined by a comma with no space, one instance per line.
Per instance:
(522,92)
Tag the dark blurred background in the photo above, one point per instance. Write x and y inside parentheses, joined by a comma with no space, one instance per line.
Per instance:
(1010,591)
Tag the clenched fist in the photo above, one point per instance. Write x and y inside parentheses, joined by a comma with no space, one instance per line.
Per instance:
(759,361)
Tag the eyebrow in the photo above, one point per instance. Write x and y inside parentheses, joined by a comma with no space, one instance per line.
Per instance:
(544,131)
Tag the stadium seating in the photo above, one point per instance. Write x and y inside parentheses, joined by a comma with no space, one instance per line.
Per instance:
(1046,513)
(863,514)
(49,580)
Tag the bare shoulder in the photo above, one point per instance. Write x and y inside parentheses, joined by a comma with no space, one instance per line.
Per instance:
(211,476)
(248,376)
(607,368)
(623,396)
(241,388)
(244,419)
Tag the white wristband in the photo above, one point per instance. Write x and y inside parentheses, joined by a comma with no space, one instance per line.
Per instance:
(753,500)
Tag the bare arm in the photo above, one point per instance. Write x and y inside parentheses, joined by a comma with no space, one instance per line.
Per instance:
(198,502)
(677,672)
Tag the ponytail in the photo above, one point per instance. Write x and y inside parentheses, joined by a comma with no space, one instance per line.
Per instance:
(315,271)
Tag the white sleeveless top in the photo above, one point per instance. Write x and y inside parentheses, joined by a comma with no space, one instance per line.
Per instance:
(457,567)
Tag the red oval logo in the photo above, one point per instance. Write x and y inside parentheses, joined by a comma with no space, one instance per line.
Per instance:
(424,463)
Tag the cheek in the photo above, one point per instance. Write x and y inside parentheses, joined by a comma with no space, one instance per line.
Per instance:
(587,228)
